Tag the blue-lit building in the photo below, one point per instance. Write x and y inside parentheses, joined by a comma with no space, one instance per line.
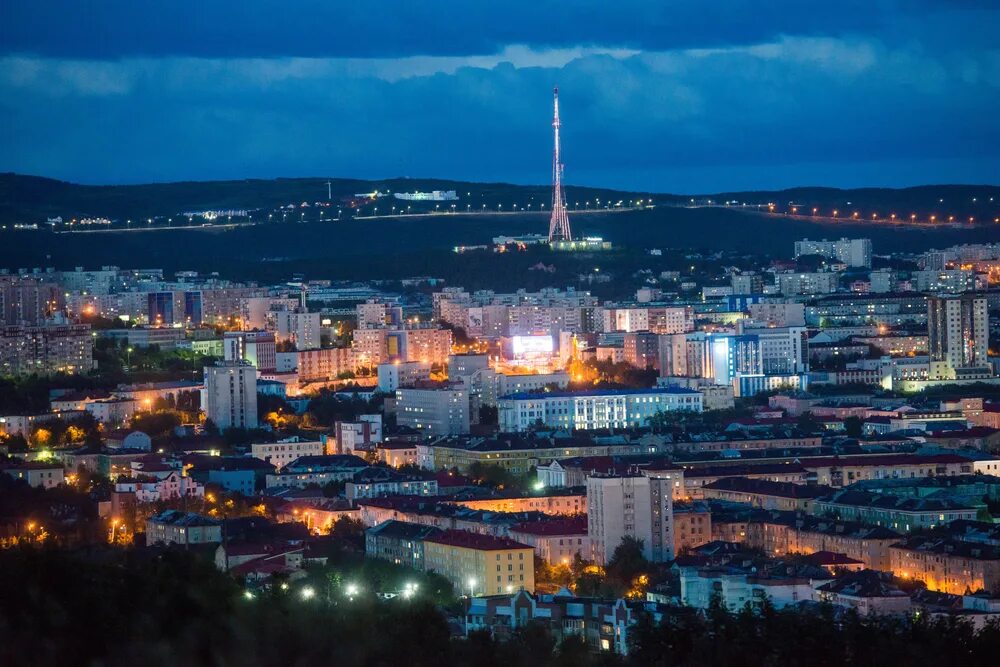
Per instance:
(193,311)
(731,356)
(593,409)
(161,308)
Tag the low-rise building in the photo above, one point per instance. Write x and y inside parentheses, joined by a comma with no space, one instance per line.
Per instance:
(556,542)
(320,470)
(570,503)
(736,587)
(764,493)
(397,454)
(399,542)
(176,527)
(692,526)
(902,514)
(867,591)
(37,474)
(593,409)
(480,564)
(281,453)
(377,482)
(603,625)
(947,565)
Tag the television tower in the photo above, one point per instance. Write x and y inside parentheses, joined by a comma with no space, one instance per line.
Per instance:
(559,223)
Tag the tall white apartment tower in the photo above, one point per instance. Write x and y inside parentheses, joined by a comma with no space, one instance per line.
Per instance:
(637,506)
(229,398)
(958,336)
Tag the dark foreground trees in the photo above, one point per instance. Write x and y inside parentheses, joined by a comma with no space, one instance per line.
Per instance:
(109,608)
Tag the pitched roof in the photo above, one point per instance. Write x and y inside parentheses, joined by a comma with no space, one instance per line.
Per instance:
(768,488)
(566,526)
(462,538)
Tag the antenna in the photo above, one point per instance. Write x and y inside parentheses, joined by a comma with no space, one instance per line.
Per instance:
(559,222)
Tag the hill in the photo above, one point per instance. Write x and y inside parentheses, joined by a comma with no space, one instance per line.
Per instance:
(33,199)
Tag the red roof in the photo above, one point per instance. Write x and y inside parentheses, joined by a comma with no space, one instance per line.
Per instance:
(568,526)
(445,479)
(462,538)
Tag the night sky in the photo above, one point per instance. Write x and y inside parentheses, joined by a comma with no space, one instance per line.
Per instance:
(667,95)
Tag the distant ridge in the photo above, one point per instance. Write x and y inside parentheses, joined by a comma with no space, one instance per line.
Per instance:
(29,199)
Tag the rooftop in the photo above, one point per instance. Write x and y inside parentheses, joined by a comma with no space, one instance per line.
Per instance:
(769,488)
(461,538)
(178,518)
(664,391)
(568,526)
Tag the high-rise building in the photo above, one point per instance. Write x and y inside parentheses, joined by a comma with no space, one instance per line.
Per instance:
(731,356)
(434,411)
(853,252)
(958,336)
(46,349)
(229,398)
(747,283)
(633,506)
(302,329)
(807,283)
(256,347)
(642,349)
(161,308)
(28,301)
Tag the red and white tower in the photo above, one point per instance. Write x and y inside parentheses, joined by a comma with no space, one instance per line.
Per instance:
(559,223)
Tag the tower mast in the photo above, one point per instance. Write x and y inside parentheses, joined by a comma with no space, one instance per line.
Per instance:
(559,222)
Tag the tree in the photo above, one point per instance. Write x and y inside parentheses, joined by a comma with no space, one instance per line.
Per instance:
(627,561)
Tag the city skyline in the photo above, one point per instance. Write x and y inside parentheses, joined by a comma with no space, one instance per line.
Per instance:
(678,99)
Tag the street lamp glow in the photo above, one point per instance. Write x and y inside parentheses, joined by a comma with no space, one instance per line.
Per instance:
(308,593)
(351,590)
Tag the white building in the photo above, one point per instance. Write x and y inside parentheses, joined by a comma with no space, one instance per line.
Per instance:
(807,283)
(230,395)
(783,350)
(853,252)
(285,451)
(630,506)
(736,589)
(434,411)
(303,329)
(596,409)
(958,336)
(778,314)
(37,474)
(398,374)
(390,487)
(115,412)
(363,434)
(155,489)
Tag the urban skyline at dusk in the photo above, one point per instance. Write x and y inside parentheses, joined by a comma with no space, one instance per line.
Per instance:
(548,334)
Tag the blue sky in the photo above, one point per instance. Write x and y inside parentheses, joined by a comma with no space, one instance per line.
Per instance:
(669,96)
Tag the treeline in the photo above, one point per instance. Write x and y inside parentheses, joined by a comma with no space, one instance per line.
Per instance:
(818,636)
(156,608)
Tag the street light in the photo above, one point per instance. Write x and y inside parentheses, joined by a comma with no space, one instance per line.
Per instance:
(472,586)
(308,593)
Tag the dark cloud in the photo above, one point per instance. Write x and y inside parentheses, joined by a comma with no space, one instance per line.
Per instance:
(703,96)
(392,28)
